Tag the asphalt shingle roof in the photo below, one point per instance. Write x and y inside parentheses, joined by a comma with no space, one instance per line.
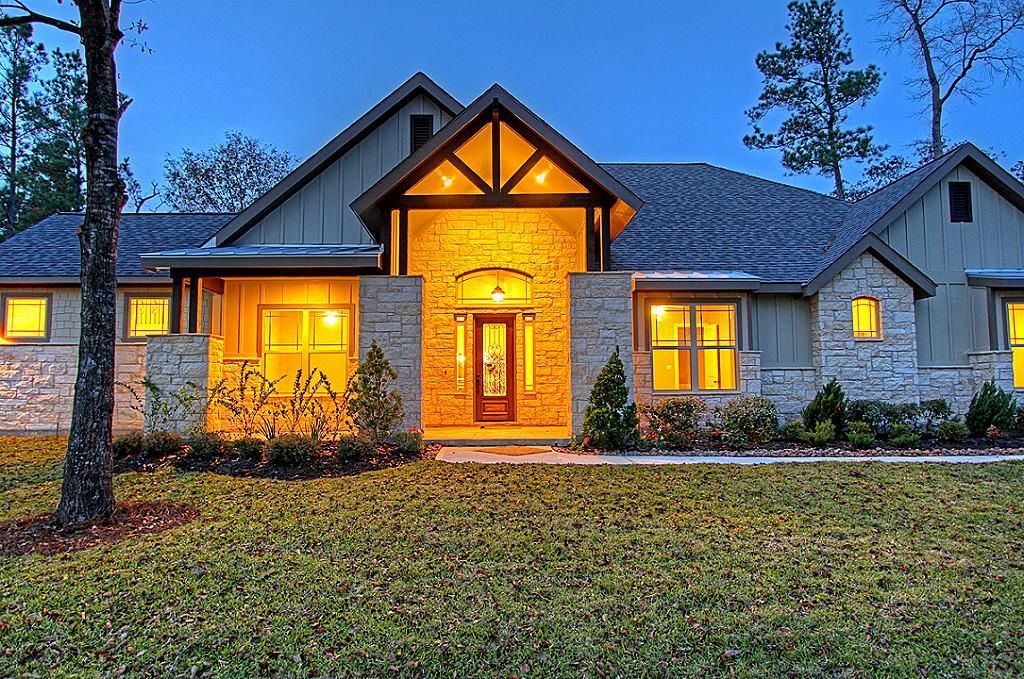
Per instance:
(50,248)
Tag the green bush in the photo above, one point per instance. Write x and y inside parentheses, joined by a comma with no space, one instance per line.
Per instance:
(990,407)
(353,447)
(206,445)
(374,406)
(823,433)
(748,420)
(676,422)
(793,431)
(951,431)
(249,447)
(903,436)
(882,416)
(128,444)
(934,412)
(161,443)
(610,422)
(860,434)
(291,449)
(409,442)
(828,404)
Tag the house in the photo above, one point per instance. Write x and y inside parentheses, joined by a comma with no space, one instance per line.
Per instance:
(498,266)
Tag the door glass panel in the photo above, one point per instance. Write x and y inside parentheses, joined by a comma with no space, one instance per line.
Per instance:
(495,359)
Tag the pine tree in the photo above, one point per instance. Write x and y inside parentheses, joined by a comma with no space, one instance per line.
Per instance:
(374,407)
(610,421)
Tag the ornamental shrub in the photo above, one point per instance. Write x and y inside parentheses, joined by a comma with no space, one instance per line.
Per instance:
(748,420)
(128,444)
(291,449)
(990,407)
(828,404)
(794,431)
(161,443)
(610,421)
(882,416)
(249,447)
(353,447)
(902,436)
(206,445)
(952,431)
(373,405)
(409,442)
(823,433)
(676,422)
(860,434)
(934,412)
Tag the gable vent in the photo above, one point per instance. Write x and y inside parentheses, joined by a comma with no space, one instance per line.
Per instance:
(421,128)
(960,208)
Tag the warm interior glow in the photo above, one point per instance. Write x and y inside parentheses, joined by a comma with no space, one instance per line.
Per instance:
(514,151)
(330,318)
(148,316)
(1015,331)
(25,317)
(498,295)
(528,362)
(677,353)
(305,339)
(476,153)
(548,178)
(444,179)
(493,286)
(866,323)
(460,351)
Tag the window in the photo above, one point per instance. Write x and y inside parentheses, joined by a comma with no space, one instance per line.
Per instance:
(528,360)
(694,344)
(960,208)
(489,287)
(1015,330)
(867,318)
(460,351)
(306,340)
(148,316)
(27,317)
(421,129)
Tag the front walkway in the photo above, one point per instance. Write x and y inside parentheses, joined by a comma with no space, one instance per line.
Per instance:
(545,455)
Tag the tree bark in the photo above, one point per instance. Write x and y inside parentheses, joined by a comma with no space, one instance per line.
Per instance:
(87,492)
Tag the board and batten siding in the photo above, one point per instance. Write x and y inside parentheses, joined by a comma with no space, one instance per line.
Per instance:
(782,330)
(956,320)
(319,213)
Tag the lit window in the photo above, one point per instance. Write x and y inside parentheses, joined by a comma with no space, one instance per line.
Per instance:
(866,320)
(460,351)
(306,340)
(147,316)
(490,287)
(1015,330)
(25,318)
(694,341)
(528,361)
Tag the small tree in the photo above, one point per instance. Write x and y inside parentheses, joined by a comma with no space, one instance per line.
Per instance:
(610,421)
(374,407)
(991,407)
(828,405)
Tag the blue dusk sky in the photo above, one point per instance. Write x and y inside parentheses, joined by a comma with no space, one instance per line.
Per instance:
(642,81)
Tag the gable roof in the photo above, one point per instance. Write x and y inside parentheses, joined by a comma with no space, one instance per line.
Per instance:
(49,251)
(627,202)
(334,149)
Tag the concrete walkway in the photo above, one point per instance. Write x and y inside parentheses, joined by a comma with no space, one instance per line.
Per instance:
(545,455)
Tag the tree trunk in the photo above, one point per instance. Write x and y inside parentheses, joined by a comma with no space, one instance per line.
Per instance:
(938,144)
(87,492)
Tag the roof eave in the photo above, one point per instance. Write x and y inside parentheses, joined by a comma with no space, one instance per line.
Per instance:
(923,285)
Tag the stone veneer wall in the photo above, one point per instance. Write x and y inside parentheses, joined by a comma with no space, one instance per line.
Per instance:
(175,361)
(37,386)
(391,313)
(958,384)
(790,388)
(868,369)
(601,320)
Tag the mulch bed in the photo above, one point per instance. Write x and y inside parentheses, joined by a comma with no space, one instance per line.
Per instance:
(38,535)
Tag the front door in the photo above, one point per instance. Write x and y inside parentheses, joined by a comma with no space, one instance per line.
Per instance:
(494,354)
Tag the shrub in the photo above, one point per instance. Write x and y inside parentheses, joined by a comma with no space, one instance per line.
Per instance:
(354,447)
(748,420)
(128,444)
(794,431)
(375,408)
(824,432)
(828,404)
(990,407)
(409,442)
(935,412)
(860,434)
(882,416)
(902,436)
(952,431)
(676,422)
(206,445)
(290,449)
(161,443)
(249,447)
(610,422)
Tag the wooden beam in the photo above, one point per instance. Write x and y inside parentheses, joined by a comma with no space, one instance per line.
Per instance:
(403,242)
(606,238)
(478,202)
(194,288)
(591,240)
(495,146)
(176,284)
(470,174)
(522,171)
(385,241)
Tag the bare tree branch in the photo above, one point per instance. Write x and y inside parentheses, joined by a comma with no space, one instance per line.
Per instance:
(29,16)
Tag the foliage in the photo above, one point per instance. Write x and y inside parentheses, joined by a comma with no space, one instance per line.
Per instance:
(291,449)
(934,412)
(248,399)
(128,444)
(828,404)
(374,407)
(161,443)
(1018,169)
(160,412)
(610,421)
(902,436)
(675,423)
(882,416)
(207,445)
(990,407)
(810,79)
(409,442)
(747,420)
(136,196)
(793,431)
(225,178)
(880,173)
(951,431)
(860,434)
(249,447)
(823,432)
(352,447)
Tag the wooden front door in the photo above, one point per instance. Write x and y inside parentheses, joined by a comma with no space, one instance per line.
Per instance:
(494,365)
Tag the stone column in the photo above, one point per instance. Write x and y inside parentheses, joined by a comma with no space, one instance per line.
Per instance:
(391,313)
(181,364)
(600,321)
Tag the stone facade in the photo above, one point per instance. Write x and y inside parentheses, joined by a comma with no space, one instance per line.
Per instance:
(173,364)
(790,388)
(958,384)
(391,314)
(601,321)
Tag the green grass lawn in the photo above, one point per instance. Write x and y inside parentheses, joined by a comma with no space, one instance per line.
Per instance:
(456,570)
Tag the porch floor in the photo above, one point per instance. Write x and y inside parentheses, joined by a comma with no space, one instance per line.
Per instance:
(497,435)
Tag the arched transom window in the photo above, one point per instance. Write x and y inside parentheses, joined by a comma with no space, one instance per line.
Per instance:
(867,323)
(494,287)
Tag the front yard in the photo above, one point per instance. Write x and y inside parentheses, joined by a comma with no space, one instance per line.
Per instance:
(456,570)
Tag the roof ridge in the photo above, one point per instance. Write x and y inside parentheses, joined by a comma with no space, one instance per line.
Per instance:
(910,172)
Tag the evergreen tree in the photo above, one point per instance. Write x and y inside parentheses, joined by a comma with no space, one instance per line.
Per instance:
(610,421)
(810,79)
(373,405)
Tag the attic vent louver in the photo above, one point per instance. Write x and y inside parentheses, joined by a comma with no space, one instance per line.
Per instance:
(960,208)
(421,128)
